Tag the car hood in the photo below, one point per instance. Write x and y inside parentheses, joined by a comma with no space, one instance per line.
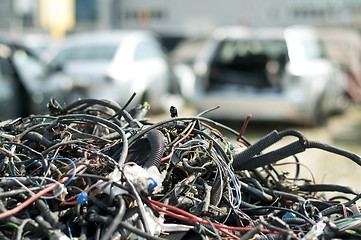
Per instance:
(90,72)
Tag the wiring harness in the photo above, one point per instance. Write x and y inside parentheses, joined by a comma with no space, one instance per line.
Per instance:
(93,170)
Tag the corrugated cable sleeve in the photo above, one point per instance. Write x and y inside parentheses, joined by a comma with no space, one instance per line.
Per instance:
(255,149)
(273,156)
(156,140)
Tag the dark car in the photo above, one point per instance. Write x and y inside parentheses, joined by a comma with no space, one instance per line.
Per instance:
(26,83)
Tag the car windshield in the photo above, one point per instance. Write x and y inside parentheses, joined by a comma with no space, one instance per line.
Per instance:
(231,50)
(248,62)
(86,52)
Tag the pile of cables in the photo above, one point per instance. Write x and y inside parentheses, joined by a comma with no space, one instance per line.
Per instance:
(93,170)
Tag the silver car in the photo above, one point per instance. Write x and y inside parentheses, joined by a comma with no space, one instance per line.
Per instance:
(273,74)
(115,64)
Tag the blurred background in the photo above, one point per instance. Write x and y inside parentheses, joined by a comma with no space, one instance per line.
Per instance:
(290,63)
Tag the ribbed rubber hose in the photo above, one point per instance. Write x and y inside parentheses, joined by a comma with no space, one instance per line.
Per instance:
(156,140)
(243,157)
(273,156)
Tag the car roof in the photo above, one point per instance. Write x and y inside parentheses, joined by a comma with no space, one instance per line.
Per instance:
(104,36)
(242,32)
(96,37)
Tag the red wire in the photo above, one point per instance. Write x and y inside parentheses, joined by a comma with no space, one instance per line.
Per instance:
(90,195)
(344,210)
(243,129)
(36,196)
(191,219)
(186,216)
(213,129)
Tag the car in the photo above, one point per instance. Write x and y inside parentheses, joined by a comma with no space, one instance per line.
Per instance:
(27,84)
(182,58)
(274,74)
(115,64)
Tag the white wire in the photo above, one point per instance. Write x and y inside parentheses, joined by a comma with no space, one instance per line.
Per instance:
(235,201)
(60,191)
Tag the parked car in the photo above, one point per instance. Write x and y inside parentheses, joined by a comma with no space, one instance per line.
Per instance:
(115,64)
(273,74)
(182,58)
(37,43)
(27,83)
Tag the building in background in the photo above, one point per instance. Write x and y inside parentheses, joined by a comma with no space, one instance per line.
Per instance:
(185,17)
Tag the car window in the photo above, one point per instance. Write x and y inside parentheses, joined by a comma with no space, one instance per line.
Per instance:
(312,49)
(94,52)
(231,50)
(147,50)
(29,67)
(306,49)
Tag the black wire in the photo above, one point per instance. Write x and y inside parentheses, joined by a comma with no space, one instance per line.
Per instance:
(309,220)
(164,122)
(110,124)
(116,221)
(350,155)
(120,112)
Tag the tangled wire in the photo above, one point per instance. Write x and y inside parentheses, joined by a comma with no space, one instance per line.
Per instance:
(93,170)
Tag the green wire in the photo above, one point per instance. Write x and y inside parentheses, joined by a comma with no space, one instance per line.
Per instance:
(11,172)
(13,225)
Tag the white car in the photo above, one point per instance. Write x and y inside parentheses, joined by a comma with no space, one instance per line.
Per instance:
(272,74)
(116,64)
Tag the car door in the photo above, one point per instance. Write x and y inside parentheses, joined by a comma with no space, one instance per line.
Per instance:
(39,81)
(151,70)
(13,98)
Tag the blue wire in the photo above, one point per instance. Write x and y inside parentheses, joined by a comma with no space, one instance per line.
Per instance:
(69,229)
(50,159)
(72,162)
(30,164)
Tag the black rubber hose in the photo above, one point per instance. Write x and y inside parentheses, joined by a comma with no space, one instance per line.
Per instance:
(327,188)
(272,157)
(336,209)
(242,163)
(48,215)
(251,152)
(256,192)
(117,219)
(156,140)
(255,149)
(352,156)
(37,137)
(285,195)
